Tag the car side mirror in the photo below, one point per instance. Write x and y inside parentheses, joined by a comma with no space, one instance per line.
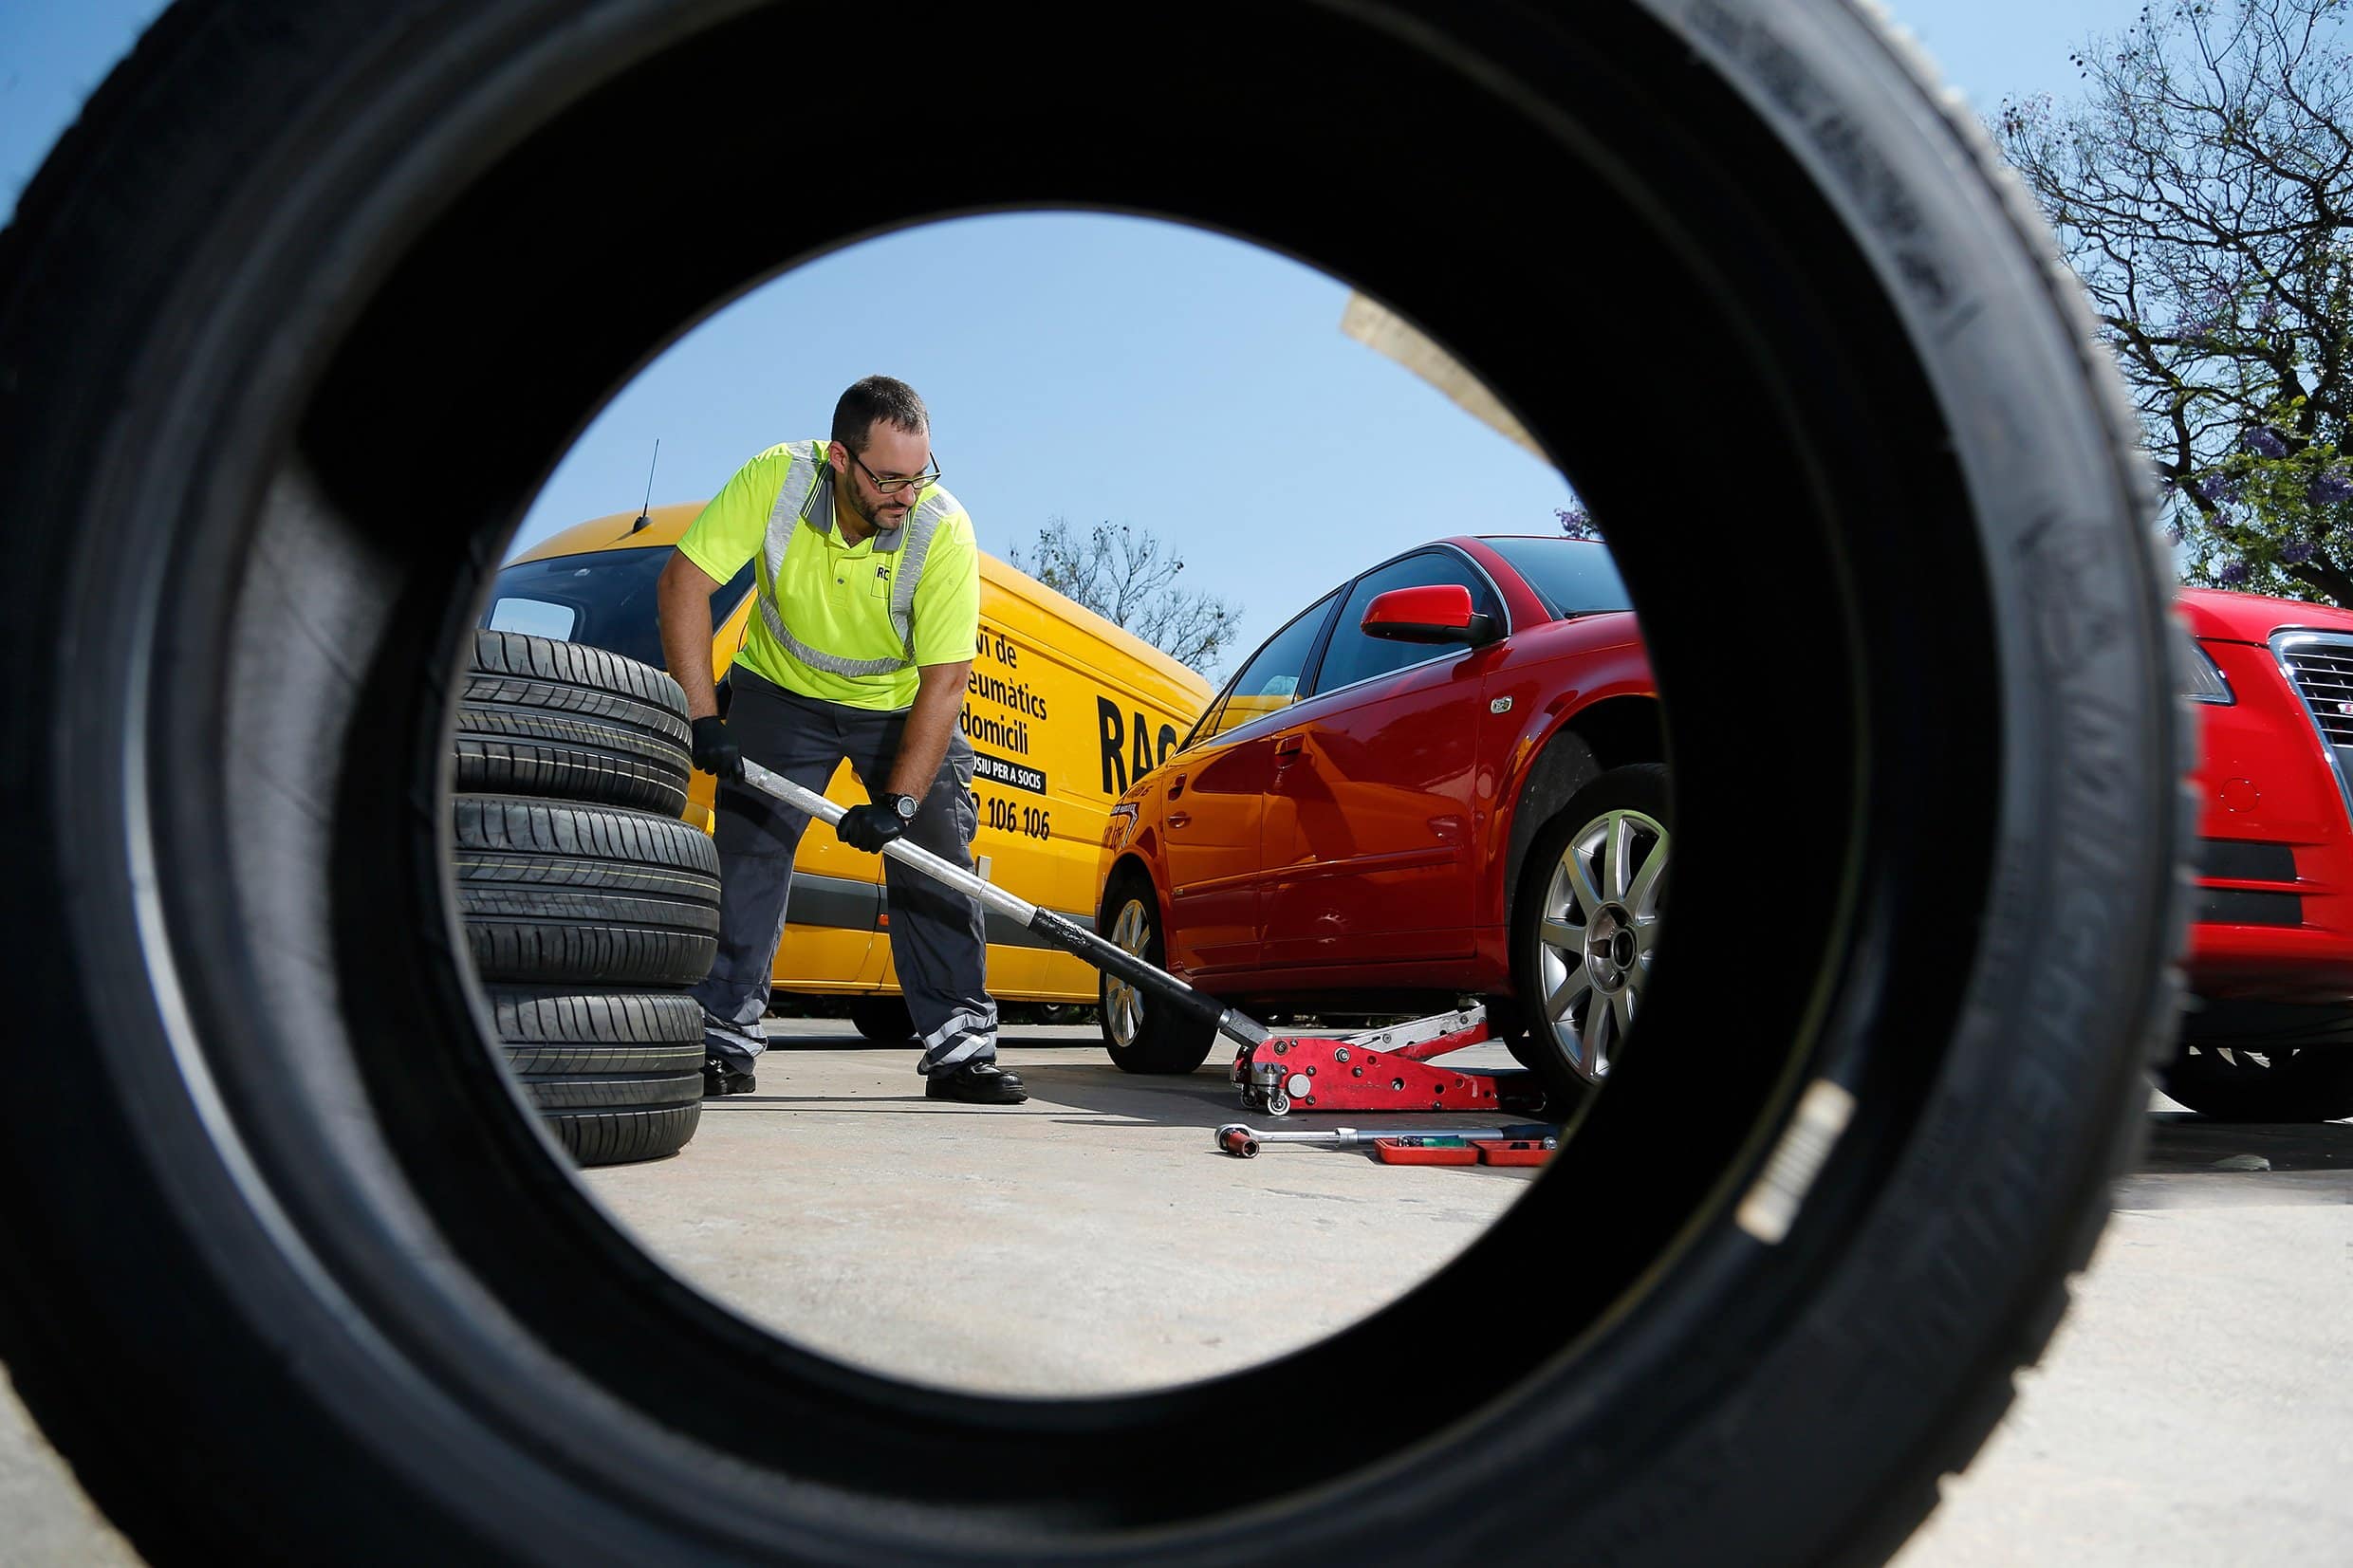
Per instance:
(1438,613)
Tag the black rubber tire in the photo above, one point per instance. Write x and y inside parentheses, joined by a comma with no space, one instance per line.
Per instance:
(565,721)
(576,1092)
(2262,1083)
(624,1137)
(1637,786)
(1161,1041)
(884,1019)
(555,893)
(254,494)
(563,1032)
(612,1071)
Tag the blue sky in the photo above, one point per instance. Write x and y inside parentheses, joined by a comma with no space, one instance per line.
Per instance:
(1096,368)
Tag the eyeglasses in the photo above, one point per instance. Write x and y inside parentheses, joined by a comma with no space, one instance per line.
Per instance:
(896,483)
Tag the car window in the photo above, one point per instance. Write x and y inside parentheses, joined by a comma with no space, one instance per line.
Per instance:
(1354,656)
(1573,577)
(1270,680)
(603,599)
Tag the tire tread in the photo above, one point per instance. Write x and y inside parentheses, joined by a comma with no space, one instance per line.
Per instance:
(621,1137)
(555,892)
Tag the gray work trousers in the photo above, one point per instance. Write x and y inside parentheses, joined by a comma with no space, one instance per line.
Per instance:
(938,939)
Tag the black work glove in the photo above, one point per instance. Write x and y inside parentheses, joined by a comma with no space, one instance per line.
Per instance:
(869,828)
(714,752)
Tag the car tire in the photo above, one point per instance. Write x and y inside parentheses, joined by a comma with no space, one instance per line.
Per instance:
(564,721)
(614,1076)
(2262,1083)
(1593,881)
(553,1033)
(554,894)
(300,313)
(884,1019)
(1141,1036)
(628,1136)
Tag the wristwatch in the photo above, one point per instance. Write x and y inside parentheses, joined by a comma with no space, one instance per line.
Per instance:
(903,805)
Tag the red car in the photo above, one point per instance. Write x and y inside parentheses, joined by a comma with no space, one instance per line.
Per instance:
(2267,1034)
(1444,779)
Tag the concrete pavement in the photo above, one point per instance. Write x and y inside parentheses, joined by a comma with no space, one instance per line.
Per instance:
(1088,1241)
(2196,1407)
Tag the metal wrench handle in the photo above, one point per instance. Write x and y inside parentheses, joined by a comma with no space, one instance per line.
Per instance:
(1072,938)
(1242,1140)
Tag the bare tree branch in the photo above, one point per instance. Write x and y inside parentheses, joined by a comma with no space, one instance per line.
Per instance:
(1127,576)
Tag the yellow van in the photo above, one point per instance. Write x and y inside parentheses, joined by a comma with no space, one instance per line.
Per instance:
(1064,712)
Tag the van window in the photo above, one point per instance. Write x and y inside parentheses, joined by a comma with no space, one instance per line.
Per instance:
(1354,656)
(603,599)
(1270,680)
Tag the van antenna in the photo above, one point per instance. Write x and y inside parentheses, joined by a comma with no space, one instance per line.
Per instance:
(646,511)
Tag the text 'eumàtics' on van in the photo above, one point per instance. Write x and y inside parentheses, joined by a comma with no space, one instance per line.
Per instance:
(999,710)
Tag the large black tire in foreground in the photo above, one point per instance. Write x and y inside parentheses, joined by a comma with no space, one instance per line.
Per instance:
(296,319)
(565,721)
(616,1076)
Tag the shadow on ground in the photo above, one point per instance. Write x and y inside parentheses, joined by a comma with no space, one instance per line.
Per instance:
(1065,1067)
(2192,1163)
(2188,1161)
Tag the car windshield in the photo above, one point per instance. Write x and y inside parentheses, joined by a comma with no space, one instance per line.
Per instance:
(603,599)
(1573,577)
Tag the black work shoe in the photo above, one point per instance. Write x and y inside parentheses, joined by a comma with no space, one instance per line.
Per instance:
(977,1084)
(720,1077)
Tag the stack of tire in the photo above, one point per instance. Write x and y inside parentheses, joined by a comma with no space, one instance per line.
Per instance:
(589,906)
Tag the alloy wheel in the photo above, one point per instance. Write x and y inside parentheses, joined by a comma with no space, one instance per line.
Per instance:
(1123,1004)
(1600,932)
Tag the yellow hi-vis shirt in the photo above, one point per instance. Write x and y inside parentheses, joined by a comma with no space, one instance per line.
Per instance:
(823,627)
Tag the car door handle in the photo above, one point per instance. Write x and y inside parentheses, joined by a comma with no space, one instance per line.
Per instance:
(1178,818)
(1287,750)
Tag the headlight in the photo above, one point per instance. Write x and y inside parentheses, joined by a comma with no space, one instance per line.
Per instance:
(2206,680)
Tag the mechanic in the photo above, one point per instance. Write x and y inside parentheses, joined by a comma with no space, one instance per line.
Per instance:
(867,620)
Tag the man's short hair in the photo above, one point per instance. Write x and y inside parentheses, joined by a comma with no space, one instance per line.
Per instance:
(877,397)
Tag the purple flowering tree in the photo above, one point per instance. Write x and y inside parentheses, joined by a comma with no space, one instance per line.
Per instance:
(2203,188)
(1576,522)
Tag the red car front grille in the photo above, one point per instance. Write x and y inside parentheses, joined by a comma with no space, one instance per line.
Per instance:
(2324,677)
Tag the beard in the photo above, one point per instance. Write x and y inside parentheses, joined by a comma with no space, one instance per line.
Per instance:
(870,514)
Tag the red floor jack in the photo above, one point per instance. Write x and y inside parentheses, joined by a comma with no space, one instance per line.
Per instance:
(1372,1070)
(1379,1070)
